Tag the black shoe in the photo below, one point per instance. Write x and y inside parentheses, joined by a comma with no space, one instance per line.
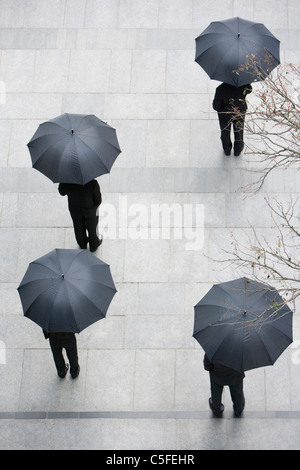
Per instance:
(237,413)
(92,248)
(238,151)
(75,374)
(63,374)
(227,152)
(218,413)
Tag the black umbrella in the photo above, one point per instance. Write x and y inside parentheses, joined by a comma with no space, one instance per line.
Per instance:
(225,324)
(224,46)
(74,148)
(66,290)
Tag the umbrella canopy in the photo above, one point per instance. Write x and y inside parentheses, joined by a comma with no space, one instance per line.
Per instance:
(224,324)
(224,46)
(66,290)
(74,148)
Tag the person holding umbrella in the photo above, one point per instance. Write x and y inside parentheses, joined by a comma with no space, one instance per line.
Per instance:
(221,50)
(230,103)
(241,324)
(64,292)
(73,150)
(219,376)
(83,202)
(67,341)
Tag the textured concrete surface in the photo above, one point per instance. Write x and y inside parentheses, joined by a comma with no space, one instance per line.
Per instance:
(131,62)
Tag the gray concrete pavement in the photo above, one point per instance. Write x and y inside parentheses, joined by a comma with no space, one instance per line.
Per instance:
(142,384)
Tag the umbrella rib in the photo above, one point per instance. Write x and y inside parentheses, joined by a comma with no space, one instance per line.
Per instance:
(84,295)
(249,26)
(265,33)
(65,130)
(215,33)
(259,39)
(50,146)
(59,263)
(35,300)
(106,141)
(224,338)
(84,268)
(92,257)
(67,293)
(265,348)
(66,156)
(214,45)
(73,282)
(98,156)
(32,281)
(242,347)
(83,117)
(227,52)
(216,65)
(250,50)
(272,325)
(69,120)
(78,253)
(40,137)
(99,124)
(217,323)
(226,26)
(44,266)
(215,304)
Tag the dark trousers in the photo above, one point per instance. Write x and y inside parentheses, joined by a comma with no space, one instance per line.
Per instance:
(236,392)
(227,121)
(85,228)
(67,341)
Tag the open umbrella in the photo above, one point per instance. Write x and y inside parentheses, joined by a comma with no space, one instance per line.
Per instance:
(226,329)
(224,46)
(74,148)
(66,290)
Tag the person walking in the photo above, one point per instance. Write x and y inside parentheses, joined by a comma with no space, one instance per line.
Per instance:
(58,342)
(83,202)
(219,376)
(230,103)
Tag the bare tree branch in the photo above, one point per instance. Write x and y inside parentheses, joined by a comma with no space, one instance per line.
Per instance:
(272,123)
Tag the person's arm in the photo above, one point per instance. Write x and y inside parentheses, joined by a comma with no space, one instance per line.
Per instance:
(248,89)
(217,101)
(46,334)
(62,189)
(97,197)
(207,364)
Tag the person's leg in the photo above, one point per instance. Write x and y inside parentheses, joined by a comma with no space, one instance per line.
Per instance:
(91,225)
(238,399)
(215,402)
(225,127)
(58,358)
(71,350)
(79,225)
(238,128)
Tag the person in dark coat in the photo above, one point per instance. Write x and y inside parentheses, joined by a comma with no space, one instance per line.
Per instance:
(230,103)
(83,201)
(219,376)
(58,342)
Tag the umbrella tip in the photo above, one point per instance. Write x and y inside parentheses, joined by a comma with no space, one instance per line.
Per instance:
(245,312)
(239,35)
(72,131)
(62,276)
